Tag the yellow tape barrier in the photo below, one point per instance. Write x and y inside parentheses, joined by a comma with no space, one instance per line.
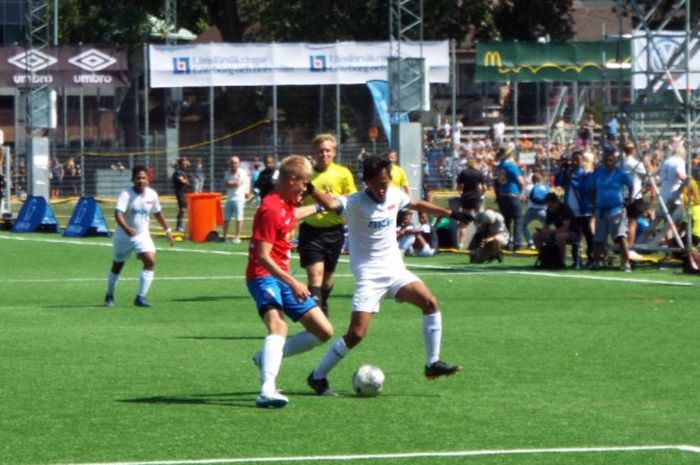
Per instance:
(181,149)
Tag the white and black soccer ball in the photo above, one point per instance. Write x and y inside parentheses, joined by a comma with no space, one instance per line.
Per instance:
(368,381)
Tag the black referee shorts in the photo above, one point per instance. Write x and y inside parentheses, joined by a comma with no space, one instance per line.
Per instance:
(320,245)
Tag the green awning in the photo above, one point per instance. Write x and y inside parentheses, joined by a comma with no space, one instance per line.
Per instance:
(561,61)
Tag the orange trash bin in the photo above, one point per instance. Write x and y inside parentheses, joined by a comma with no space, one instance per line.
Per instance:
(203,216)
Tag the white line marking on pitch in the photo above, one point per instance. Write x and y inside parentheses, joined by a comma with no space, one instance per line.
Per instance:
(344,260)
(466,453)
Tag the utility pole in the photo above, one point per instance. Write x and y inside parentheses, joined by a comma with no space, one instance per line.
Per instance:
(173,95)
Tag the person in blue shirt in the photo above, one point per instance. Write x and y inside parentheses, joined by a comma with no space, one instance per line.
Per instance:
(536,208)
(609,206)
(509,186)
(574,176)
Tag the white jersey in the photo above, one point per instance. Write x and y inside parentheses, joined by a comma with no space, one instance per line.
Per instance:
(136,209)
(237,193)
(636,171)
(672,170)
(374,251)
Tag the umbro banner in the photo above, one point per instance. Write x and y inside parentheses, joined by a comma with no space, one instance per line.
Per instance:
(64,66)
(291,64)
(87,220)
(35,216)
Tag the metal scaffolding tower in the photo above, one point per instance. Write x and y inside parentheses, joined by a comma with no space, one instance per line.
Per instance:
(406,75)
(663,98)
(38,96)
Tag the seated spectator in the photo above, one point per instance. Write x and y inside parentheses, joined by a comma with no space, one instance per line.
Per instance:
(536,208)
(490,237)
(411,238)
(558,228)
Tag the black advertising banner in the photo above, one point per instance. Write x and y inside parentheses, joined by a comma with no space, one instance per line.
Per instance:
(63,66)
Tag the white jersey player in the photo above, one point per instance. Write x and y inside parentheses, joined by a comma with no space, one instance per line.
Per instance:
(132,234)
(376,262)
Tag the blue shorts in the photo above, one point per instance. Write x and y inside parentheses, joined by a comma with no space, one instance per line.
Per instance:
(268,291)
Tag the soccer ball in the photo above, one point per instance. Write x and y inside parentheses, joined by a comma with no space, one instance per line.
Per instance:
(368,381)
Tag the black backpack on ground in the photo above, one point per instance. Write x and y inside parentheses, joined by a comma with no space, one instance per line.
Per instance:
(550,258)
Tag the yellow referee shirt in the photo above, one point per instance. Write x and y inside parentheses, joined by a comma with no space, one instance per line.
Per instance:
(337,180)
(398,177)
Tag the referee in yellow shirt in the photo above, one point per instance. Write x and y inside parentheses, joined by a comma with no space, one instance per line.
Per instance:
(398,175)
(321,236)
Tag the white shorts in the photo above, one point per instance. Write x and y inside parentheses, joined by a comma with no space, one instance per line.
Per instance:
(370,291)
(233,209)
(124,245)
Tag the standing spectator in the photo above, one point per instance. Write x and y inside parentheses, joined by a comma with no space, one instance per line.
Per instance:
(509,185)
(398,175)
(574,176)
(267,177)
(199,176)
(57,174)
(181,185)
(587,130)
(611,130)
(610,215)
(635,169)
(672,174)
(132,234)
(498,133)
(321,236)
(536,208)
(71,176)
(471,183)
(237,184)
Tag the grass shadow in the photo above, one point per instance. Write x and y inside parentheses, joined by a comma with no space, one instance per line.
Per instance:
(229,399)
(222,338)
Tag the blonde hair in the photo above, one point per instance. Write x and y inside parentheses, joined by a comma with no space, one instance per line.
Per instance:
(296,166)
(321,138)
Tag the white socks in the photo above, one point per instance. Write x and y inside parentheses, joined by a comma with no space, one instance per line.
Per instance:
(145,280)
(300,342)
(111,282)
(335,354)
(432,335)
(271,362)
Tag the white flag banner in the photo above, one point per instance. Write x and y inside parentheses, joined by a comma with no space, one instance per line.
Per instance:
(204,65)
(652,54)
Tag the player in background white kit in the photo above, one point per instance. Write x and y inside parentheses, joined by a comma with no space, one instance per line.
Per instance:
(376,262)
(132,234)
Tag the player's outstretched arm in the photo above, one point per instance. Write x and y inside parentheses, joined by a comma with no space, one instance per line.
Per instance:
(324,201)
(427,207)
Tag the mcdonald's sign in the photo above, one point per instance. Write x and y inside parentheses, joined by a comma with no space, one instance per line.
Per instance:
(493,58)
(552,61)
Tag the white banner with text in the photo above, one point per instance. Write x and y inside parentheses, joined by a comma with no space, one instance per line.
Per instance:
(245,64)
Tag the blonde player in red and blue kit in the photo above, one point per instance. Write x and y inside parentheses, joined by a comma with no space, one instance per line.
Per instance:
(275,291)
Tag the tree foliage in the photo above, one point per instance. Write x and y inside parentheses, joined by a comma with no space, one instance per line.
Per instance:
(532,19)
(123,22)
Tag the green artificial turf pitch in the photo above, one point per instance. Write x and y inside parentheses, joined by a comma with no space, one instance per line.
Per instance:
(551,361)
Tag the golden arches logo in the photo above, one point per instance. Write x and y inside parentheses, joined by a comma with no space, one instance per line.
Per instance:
(493,59)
